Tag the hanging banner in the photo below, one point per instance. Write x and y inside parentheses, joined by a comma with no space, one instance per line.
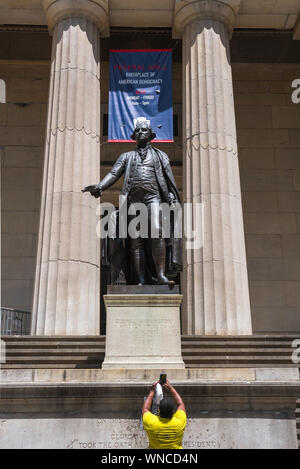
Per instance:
(140,85)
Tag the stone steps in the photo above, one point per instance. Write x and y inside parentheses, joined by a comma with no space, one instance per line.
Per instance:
(241,338)
(42,349)
(197,351)
(240,357)
(53,339)
(189,353)
(54,352)
(68,360)
(233,344)
(58,345)
(73,357)
(185,344)
(236,351)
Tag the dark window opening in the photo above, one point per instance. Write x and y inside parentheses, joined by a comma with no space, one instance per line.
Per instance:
(105,125)
(175,125)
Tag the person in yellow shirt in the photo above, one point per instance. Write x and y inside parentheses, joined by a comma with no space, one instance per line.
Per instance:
(165,431)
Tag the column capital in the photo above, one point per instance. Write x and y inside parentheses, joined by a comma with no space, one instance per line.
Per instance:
(95,10)
(188,11)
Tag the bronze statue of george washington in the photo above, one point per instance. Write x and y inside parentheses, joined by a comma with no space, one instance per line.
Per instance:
(148,179)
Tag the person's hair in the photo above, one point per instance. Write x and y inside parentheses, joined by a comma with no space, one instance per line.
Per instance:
(153,134)
(166,408)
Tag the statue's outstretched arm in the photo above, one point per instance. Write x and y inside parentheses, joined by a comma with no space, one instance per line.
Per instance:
(109,179)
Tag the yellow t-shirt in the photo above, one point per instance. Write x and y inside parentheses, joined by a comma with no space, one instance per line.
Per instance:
(165,433)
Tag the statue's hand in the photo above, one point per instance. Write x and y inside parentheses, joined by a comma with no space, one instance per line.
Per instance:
(94,189)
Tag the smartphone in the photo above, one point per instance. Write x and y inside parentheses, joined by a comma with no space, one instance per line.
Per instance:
(162,379)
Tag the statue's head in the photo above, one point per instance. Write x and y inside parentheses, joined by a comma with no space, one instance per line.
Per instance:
(142,130)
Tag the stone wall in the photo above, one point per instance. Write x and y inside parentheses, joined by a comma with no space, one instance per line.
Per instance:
(268,125)
(225,431)
(269,151)
(88,408)
(22,124)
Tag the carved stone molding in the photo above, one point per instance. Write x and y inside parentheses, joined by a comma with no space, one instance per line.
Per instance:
(94,10)
(187,11)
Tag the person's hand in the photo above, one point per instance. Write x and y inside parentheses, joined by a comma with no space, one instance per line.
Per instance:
(167,384)
(94,189)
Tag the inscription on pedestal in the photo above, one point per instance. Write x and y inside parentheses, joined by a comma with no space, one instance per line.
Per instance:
(143,331)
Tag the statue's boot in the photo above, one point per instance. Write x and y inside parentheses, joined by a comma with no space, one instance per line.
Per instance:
(139,264)
(159,257)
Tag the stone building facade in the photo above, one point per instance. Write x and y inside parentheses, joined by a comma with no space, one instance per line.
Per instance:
(236,149)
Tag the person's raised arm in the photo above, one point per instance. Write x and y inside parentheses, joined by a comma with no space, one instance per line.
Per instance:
(177,398)
(148,402)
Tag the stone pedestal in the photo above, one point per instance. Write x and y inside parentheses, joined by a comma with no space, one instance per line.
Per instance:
(215,281)
(143,331)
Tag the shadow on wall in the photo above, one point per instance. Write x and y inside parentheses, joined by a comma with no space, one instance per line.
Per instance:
(2,91)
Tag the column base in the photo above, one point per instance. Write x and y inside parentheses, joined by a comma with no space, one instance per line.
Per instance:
(143,331)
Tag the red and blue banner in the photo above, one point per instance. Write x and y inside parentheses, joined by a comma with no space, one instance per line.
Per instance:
(140,85)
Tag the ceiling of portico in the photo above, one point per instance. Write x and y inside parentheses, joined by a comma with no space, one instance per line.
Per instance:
(256,14)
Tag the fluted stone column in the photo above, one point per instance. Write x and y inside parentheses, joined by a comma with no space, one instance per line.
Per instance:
(215,281)
(67,283)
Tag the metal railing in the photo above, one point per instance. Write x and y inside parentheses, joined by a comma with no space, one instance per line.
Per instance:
(15,322)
